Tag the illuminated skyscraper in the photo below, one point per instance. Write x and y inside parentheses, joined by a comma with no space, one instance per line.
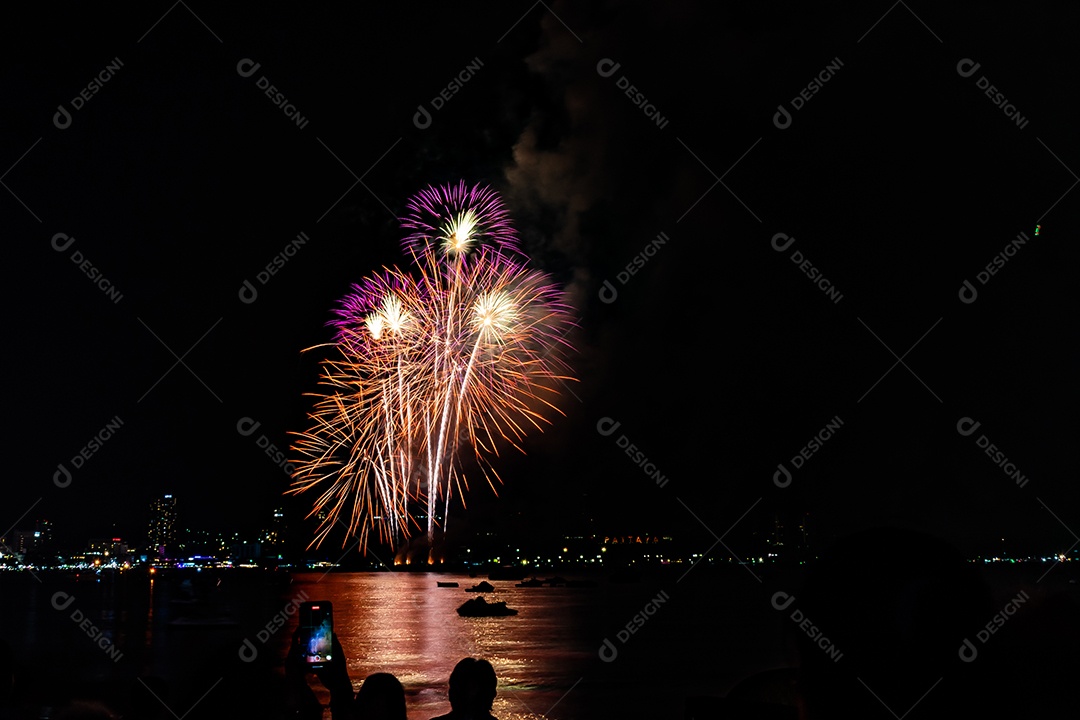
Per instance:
(275,534)
(162,533)
(43,531)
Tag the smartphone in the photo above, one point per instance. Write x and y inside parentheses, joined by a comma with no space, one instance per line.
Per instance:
(316,637)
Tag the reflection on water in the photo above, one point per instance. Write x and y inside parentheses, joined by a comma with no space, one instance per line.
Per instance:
(218,640)
(215,638)
(403,624)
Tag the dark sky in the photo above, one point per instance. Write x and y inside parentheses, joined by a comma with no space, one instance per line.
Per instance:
(899,179)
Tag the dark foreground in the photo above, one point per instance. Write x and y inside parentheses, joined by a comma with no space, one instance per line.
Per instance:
(669,645)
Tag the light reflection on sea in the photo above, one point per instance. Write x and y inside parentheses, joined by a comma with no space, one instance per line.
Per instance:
(217,639)
(402,623)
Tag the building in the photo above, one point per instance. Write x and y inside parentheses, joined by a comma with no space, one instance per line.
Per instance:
(788,539)
(161,538)
(275,534)
(43,530)
(21,542)
(108,551)
(24,541)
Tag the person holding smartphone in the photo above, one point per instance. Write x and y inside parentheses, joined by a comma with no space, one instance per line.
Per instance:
(332,673)
(381,696)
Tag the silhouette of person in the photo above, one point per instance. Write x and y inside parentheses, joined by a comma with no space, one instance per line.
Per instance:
(333,675)
(380,697)
(86,710)
(472,691)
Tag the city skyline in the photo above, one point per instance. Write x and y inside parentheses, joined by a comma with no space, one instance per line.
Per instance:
(792,538)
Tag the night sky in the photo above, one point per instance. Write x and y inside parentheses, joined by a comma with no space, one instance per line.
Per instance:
(899,179)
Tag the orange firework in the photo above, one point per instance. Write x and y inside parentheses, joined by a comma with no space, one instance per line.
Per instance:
(466,352)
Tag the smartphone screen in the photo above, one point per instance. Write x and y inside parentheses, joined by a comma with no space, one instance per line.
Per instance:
(316,633)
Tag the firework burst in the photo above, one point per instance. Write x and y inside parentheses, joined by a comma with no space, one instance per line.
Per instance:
(432,371)
(453,220)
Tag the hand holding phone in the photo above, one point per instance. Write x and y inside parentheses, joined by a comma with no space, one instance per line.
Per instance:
(315,634)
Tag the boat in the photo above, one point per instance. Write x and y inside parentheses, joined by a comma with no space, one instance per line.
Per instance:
(482,586)
(530,583)
(479,607)
(446,584)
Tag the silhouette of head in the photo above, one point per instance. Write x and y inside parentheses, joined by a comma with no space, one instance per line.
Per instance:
(380,697)
(472,686)
(883,614)
(86,710)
